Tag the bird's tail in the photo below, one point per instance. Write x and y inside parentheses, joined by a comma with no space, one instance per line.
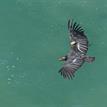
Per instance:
(89,59)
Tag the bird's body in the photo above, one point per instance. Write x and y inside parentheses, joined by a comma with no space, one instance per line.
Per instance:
(77,55)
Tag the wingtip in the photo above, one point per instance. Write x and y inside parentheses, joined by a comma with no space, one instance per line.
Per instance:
(73,26)
(66,74)
(70,22)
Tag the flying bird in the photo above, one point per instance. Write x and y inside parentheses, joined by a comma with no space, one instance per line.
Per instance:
(78,51)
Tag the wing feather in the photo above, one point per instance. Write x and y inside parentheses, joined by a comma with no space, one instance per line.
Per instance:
(74,27)
(77,35)
(69,69)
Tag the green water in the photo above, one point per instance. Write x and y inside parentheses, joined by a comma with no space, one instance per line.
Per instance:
(33,34)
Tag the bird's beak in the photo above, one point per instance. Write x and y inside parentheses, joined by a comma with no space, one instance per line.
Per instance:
(61,58)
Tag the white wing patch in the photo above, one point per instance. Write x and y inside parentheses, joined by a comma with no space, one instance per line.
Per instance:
(72,43)
(78,46)
(74,60)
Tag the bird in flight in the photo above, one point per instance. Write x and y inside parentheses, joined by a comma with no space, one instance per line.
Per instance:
(78,51)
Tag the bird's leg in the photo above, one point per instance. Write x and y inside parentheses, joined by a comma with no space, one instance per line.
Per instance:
(64,58)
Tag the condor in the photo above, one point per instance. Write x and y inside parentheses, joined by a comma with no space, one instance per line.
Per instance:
(78,51)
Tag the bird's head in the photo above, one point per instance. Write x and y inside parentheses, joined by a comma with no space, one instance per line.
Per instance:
(64,58)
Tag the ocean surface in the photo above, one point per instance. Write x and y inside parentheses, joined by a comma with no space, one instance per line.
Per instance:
(33,35)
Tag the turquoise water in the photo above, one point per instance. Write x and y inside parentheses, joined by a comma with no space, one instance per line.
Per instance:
(33,34)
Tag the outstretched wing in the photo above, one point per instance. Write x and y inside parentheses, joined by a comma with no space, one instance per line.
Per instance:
(68,70)
(75,28)
(77,35)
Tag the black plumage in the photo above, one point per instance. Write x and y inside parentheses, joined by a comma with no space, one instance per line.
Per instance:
(77,55)
(77,35)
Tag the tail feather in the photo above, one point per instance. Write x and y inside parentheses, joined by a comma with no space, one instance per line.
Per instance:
(89,59)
